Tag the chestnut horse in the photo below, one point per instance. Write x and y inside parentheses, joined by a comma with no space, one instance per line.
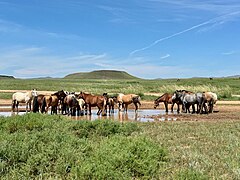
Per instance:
(166,98)
(125,100)
(37,103)
(93,101)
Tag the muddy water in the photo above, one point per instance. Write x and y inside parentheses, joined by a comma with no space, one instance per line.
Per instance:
(145,115)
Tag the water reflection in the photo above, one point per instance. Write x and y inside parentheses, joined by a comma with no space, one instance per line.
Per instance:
(145,115)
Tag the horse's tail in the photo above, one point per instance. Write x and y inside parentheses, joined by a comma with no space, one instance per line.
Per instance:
(44,104)
(35,104)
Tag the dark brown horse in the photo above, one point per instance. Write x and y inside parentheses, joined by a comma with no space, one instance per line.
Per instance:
(61,95)
(166,98)
(38,103)
(93,101)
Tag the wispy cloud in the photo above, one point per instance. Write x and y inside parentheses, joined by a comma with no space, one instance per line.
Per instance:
(229,53)
(165,56)
(211,21)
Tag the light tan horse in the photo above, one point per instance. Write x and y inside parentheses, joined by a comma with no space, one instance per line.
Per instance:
(20,97)
(210,98)
(124,100)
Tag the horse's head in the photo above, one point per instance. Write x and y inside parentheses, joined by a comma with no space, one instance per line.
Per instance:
(34,92)
(156,103)
(177,94)
(81,95)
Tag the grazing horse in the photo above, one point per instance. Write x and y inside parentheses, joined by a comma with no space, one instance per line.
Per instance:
(50,100)
(92,101)
(125,100)
(20,97)
(166,98)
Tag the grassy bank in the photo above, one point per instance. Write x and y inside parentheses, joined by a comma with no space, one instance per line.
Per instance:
(43,146)
(224,87)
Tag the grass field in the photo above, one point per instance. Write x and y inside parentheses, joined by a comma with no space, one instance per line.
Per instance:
(224,87)
(53,147)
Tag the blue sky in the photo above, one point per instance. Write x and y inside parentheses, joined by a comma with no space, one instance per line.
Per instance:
(146,38)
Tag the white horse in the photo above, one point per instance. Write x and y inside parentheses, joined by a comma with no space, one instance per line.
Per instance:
(20,97)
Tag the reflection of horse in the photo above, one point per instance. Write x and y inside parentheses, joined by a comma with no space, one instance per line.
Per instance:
(125,100)
(92,101)
(166,98)
(50,100)
(20,97)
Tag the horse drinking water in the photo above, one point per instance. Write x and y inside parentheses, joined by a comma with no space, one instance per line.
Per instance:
(124,100)
(20,97)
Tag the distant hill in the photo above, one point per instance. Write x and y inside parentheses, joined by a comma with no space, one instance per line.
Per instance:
(6,77)
(101,74)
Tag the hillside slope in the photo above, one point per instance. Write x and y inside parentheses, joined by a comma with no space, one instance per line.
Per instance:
(101,74)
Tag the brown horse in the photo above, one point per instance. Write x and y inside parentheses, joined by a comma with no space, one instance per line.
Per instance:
(37,103)
(61,95)
(125,100)
(72,104)
(93,101)
(50,101)
(166,98)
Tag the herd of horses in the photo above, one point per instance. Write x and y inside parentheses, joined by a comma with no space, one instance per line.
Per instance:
(82,103)
(203,100)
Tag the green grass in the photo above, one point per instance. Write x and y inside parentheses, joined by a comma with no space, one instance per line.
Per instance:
(224,87)
(53,147)
(44,146)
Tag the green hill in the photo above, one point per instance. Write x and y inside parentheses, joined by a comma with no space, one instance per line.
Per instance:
(6,77)
(101,74)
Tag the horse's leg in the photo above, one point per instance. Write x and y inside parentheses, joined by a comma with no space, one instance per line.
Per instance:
(193,108)
(30,105)
(166,106)
(126,107)
(90,113)
(178,108)
(172,106)
(136,107)
(17,106)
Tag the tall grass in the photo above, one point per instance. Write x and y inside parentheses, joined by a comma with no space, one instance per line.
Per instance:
(224,87)
(52,147)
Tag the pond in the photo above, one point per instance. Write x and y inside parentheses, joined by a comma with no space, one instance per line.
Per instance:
(144,115)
